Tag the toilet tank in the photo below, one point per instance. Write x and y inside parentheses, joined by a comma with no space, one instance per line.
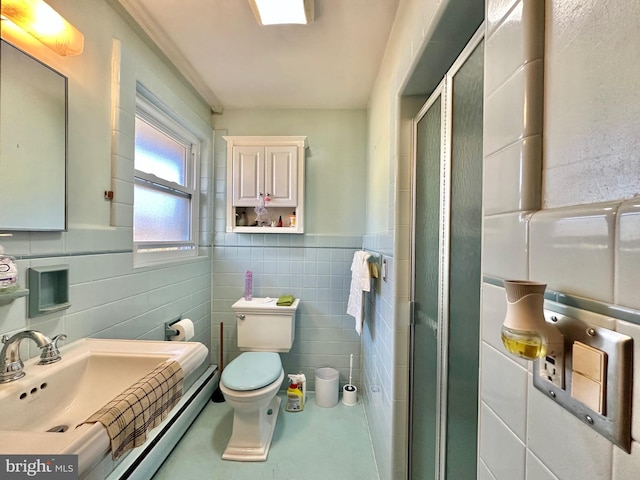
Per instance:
(263,326)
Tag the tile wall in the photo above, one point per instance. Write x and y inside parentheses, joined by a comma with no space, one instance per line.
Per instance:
(316,268)
(592,105)
(379,370)
(386,346)
(109,297)
(521,420)
(588,250)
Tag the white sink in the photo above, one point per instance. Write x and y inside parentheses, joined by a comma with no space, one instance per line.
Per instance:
(40,411)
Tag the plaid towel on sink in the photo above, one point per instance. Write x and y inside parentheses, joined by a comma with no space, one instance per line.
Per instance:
(132,414)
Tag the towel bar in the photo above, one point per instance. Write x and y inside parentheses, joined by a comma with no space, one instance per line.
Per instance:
(375,263)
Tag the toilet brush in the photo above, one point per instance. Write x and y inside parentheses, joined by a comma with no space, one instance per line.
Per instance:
(217,396)
(350,392)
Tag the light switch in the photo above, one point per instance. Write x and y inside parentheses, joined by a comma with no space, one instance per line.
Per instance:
(589,379)
(588,392)
(589,361)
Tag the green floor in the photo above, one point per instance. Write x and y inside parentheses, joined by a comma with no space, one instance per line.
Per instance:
(316,444)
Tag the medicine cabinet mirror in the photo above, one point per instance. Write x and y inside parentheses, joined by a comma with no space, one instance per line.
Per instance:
(33,143)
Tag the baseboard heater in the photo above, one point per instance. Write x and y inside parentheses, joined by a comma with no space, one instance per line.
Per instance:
(145,460)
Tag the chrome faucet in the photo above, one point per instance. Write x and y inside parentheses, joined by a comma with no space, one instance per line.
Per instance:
(11,366)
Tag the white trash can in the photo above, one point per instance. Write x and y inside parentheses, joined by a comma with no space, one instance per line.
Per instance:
(326,387)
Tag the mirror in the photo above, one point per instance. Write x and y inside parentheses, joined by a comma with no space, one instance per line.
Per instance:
(33,143)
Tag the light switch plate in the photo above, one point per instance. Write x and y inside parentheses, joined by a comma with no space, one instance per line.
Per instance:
(615,423)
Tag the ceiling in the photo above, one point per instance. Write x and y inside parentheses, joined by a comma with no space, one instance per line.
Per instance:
(234,62)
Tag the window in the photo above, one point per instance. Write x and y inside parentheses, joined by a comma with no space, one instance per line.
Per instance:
(165,205)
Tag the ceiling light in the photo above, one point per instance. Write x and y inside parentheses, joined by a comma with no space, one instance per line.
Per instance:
(45,24)
(276,12)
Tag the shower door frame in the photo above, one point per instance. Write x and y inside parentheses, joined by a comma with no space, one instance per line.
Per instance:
(438,94)
(445,91)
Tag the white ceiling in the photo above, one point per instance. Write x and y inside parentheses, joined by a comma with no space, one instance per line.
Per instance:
(236,63)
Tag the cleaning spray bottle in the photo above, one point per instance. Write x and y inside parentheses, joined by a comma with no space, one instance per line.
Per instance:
(296,392)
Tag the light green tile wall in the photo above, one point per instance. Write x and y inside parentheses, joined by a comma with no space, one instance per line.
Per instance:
(335,160)
(109,298)
(385,347)
(314,266)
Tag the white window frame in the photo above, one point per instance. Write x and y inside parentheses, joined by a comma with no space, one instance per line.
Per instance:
(159,116)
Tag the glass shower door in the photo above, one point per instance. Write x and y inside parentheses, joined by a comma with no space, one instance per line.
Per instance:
(425,384)
(464,265)
(446,251)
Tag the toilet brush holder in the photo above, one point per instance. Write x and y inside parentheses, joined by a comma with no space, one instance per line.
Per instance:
(350,395)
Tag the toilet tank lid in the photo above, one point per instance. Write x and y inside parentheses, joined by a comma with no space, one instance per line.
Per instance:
(263,305)
(251,371)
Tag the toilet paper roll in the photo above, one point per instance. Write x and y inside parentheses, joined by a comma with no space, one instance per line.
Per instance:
(185,330)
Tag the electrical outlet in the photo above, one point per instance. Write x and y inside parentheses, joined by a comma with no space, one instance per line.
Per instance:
(552,367)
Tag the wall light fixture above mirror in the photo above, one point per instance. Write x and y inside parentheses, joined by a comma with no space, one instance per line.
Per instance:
(42,22)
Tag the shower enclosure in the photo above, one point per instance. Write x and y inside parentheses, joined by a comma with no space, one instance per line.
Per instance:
(446,273)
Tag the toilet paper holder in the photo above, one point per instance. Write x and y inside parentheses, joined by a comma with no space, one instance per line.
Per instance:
(170,332)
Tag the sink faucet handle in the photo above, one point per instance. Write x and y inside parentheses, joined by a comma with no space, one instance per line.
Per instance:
(57,338)
(5,338)
(50,352)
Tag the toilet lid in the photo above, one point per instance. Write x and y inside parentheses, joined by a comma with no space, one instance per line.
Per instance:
(252,370)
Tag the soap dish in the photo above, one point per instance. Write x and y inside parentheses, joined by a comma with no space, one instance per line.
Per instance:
(49,289)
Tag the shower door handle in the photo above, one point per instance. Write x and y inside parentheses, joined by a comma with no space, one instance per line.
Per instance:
(412,318)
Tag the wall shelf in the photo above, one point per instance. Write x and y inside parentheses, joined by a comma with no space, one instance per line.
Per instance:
(266,230)
(7,298)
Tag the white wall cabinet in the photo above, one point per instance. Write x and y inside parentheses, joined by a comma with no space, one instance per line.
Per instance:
(265,165)
(270,170)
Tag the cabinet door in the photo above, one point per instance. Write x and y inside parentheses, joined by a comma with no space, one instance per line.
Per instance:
(248,175)
(281,175)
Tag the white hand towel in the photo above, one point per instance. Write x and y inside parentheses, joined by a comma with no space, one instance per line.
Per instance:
(360,283)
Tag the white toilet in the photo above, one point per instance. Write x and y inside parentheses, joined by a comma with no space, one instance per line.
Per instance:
(251,381)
